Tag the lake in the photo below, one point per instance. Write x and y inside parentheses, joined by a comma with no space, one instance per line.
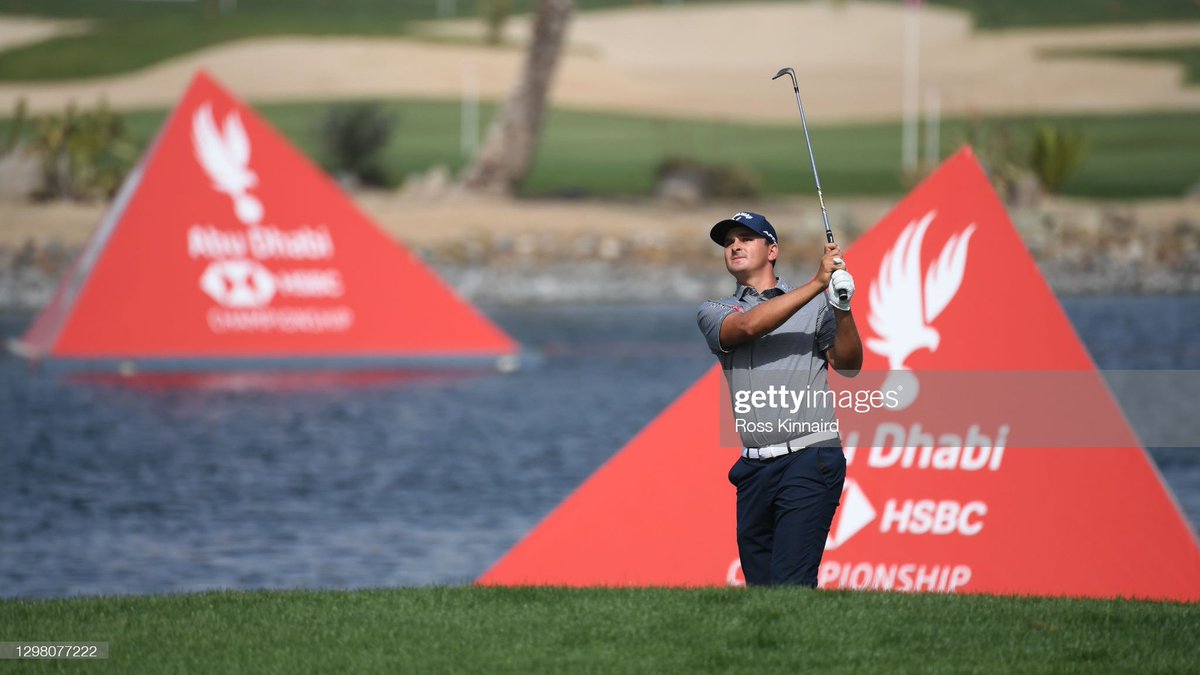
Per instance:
(180,484)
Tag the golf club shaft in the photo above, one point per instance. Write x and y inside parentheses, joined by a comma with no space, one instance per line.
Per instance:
(811,158)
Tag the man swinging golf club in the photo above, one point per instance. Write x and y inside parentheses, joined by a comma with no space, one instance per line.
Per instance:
(771,337)
(776,344)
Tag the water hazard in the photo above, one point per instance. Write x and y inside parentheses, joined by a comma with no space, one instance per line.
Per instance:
(178,484)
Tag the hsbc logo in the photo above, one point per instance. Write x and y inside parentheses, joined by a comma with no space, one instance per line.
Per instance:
(733,575)
(246,284)
(928,516)
(855,513)
(238,283)
(903,516)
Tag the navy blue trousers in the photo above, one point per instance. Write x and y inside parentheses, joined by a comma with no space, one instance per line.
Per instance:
(784,508)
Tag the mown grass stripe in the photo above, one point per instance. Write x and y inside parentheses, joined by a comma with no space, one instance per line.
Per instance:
(132,35)
(601,154)
(614,630)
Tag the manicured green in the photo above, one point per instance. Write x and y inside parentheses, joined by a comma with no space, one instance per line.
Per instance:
(125,43)
(594,154)
(553,630)
(1027,13)
(600,155)
(130,35)
(1188,57)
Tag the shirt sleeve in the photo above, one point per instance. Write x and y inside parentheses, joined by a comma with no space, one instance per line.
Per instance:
(709,318)
(826,328)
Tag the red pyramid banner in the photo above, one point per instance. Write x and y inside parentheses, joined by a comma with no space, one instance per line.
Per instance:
(944,284)
(226,242)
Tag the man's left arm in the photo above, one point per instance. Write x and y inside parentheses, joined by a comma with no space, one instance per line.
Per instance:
(845,355)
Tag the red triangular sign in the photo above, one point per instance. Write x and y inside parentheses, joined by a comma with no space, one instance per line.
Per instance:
(978,518)
(226,242)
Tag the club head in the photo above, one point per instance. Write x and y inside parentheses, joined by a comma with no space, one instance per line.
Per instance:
(785,71)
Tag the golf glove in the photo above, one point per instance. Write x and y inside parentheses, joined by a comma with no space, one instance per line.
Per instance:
(841,281)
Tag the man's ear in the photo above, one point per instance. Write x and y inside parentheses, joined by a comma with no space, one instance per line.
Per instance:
(773,252)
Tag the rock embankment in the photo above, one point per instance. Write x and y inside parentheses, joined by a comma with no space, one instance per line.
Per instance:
(497,252)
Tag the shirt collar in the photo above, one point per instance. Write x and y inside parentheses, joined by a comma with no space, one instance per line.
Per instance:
(741,291)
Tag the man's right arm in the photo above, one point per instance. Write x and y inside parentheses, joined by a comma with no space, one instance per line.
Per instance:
(741,327)
(767,316)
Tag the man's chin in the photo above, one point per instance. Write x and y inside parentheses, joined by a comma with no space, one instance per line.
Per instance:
(740,273)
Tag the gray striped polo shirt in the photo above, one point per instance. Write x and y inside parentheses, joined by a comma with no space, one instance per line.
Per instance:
(788,359)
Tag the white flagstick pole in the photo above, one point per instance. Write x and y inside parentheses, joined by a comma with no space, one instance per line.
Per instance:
(469,130)
(933,123)
(912,55)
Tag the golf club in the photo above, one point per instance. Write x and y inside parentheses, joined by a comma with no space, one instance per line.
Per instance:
(808,141)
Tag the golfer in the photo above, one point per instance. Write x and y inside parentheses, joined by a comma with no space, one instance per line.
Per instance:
(781,341)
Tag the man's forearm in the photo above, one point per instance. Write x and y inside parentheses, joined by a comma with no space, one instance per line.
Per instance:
(766,316)
(847,350)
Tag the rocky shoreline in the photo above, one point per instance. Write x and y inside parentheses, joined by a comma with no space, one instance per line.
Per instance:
(560,252)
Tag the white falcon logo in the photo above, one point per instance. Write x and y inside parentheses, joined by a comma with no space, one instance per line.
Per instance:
(225,156)
(903,307)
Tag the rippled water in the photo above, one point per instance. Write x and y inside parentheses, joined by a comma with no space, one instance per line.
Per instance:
(167,485)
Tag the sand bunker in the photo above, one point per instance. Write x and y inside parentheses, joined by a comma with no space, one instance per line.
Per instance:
(711,62)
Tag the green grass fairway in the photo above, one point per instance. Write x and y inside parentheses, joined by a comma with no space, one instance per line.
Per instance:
(1188,57)
(604,155)
(132,35)
(1027,13)
(607,630)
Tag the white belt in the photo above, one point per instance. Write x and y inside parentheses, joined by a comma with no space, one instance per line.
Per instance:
(794,445)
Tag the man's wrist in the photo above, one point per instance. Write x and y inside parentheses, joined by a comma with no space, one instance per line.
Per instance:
(814,286)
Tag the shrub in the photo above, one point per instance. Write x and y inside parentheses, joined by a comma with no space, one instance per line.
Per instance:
(84,153)
(495,15)
(16,126)
(1055,155)
(711,180)
(993,143)
(352,137)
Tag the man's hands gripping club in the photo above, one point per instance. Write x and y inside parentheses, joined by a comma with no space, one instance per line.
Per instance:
(832,275)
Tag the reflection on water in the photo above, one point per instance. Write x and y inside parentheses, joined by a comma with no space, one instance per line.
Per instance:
(165,483)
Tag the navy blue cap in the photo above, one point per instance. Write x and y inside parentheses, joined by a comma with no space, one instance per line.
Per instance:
(746,219)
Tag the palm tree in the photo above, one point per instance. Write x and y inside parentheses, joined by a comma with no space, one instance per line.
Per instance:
(511,142)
